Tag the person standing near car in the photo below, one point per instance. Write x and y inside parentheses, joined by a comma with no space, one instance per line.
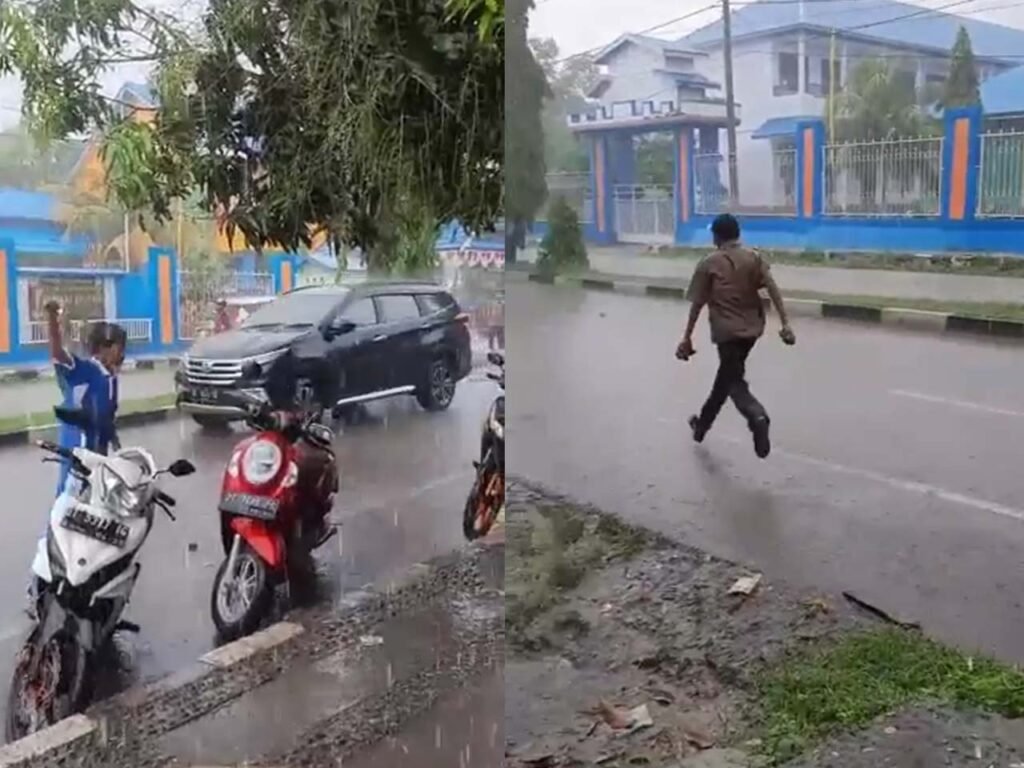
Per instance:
(222,321)
(729,283)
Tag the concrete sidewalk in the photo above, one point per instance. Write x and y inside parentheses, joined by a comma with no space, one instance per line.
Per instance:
(632,260)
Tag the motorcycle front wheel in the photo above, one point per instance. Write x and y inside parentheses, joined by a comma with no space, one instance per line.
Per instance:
(56,689)
(241,600)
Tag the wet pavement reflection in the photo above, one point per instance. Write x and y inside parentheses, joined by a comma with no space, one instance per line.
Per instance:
(404,476)
(893,472)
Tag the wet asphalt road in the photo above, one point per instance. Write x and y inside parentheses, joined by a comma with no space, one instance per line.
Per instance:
(893,473)
(404,476)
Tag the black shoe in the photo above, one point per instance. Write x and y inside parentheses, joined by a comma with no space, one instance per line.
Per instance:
(762,445)
(698,431)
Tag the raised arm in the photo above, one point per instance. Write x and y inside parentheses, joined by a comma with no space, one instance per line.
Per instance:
(55,335)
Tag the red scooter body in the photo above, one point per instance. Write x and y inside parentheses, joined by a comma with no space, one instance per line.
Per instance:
(271,519)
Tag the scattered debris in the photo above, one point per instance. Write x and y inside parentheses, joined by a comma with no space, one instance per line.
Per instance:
(371,641)
(890,729)
(818,605)
(879,613)
(547,760)
(697,735)
(745,585)
(640,718)
(193,547)
(617,719)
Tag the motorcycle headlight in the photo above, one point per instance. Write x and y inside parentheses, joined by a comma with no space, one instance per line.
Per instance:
(119,496)
(261,462)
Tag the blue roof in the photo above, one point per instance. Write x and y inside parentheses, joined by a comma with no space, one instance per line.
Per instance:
(780,126)
(1004,93)
(22,204)
(881,21)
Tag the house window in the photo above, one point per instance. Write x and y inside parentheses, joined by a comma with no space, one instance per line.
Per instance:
(787,74)
(826,77)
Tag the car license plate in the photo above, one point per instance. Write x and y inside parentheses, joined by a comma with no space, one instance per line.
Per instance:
(247,505)
(206,396)
(104,530)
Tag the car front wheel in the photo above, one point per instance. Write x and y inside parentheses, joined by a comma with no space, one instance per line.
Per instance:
(439,390)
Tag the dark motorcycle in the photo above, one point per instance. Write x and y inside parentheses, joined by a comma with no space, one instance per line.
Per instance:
(487,496)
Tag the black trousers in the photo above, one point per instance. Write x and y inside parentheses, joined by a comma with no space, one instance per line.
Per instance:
(731,382)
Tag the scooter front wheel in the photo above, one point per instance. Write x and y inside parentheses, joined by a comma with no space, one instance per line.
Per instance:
(241,599)
(49,691)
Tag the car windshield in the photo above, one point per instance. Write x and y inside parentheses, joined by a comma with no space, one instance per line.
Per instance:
(299,309)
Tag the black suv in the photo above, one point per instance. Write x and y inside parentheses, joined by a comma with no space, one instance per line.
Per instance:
(383,339)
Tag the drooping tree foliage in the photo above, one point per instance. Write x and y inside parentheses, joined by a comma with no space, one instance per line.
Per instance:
(525,186)
(365,120)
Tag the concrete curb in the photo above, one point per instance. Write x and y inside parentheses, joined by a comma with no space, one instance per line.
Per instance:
(15,375)
(915,319)
(25,437)
(128,724)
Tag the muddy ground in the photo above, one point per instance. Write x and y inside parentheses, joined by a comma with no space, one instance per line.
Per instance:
(626,649)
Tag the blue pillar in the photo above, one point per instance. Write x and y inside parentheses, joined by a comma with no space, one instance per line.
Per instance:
(162,276)
(602,230)
(685,183)
(961,164)
(810,157)
(284,268)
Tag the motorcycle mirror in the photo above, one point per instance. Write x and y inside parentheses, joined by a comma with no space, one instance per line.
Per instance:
(75,417)
(181,468)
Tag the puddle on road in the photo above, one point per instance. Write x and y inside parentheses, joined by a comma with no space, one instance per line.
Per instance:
(270,718)
(462,730)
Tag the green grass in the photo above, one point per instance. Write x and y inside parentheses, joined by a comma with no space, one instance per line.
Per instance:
(46,418)
(966,264)
(549,551)
(808,697)
(984,310)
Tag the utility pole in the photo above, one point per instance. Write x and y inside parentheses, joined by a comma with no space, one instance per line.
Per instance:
(832,86)
(730,107)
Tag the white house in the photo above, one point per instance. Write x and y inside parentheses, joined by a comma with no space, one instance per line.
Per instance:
(781,55)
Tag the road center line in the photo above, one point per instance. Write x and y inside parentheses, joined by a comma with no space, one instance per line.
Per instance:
(956,403)
(924,489)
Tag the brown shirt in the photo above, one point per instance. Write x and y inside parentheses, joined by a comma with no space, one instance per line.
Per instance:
(729,281)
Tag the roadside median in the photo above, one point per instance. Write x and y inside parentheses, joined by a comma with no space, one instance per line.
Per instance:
(372,655)
(626,647)
(1003,321)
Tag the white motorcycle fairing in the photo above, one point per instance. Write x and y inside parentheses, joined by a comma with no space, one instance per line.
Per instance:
(82,555)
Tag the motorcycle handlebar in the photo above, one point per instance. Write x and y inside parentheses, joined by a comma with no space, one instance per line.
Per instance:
(165,498)
(64,453)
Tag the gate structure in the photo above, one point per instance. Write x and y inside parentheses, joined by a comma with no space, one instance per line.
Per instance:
(199,292)
(645,213)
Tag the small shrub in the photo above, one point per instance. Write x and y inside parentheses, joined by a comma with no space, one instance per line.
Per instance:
(562,248)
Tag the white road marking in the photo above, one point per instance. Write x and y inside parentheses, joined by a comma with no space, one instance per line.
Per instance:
(924,489)
(956,403)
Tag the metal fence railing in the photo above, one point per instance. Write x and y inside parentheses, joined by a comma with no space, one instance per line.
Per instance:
(576,189)
(895,177)
(139,329)
(1001,177)
(645,211)
(198,293)
(767,187)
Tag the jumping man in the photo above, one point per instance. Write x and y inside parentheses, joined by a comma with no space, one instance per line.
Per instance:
(729,282)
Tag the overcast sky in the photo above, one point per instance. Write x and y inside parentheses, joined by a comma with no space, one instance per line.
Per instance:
(576,25)
(579,25)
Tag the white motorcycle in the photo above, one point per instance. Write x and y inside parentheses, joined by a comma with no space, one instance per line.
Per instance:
(84,571)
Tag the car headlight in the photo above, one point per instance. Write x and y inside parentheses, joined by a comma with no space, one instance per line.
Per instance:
(261,462)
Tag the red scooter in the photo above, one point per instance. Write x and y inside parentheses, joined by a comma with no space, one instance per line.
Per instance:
(277,494)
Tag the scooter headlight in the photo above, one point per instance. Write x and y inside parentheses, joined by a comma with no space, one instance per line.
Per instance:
(261,462)
(122,499)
